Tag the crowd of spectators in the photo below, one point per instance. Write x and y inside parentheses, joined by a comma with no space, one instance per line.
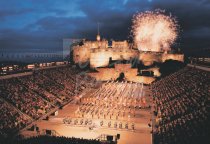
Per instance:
(46,88)
(37,94)
(57,140)
(181,106)
(11,119)
(23,98)
(72,79)
(44,139)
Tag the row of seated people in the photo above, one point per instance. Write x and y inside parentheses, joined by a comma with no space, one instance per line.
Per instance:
(24,99)
(56,85)
(60,78)
(181,104)
(37,94)
(11,119)
(52,140)
(71,78)
(191,128)
(48,89)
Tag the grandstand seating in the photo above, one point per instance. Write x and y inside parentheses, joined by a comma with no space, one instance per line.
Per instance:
(181,104)
(23,98)
(61,140)
(37,94)
(11,118)
(53,140)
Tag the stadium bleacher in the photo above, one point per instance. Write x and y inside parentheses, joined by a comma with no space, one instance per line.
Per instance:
(181,105)
(44,139)
(30,97)
(181,102)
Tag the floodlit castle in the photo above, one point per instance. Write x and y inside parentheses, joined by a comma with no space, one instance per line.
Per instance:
(99,54)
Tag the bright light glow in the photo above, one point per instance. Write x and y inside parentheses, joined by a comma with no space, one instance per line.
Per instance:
(154,31)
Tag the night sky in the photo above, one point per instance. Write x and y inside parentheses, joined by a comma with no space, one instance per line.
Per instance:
(41,25)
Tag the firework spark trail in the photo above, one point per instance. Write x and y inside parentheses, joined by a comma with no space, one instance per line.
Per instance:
(154,31)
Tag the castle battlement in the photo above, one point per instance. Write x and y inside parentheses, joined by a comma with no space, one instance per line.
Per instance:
(99,53)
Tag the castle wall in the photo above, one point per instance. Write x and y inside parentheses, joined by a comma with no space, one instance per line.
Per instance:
(120,44)
(123,54)
(100,57)
(148,58)
(98,53)
(81,54)
(96,44)
(105,74)
(178,57)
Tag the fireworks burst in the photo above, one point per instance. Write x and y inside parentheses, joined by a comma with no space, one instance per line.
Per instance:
(154,31)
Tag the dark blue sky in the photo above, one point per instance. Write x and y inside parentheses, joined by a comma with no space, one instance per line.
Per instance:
(41,25)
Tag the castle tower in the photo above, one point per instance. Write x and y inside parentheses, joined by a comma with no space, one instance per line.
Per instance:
(98,38)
